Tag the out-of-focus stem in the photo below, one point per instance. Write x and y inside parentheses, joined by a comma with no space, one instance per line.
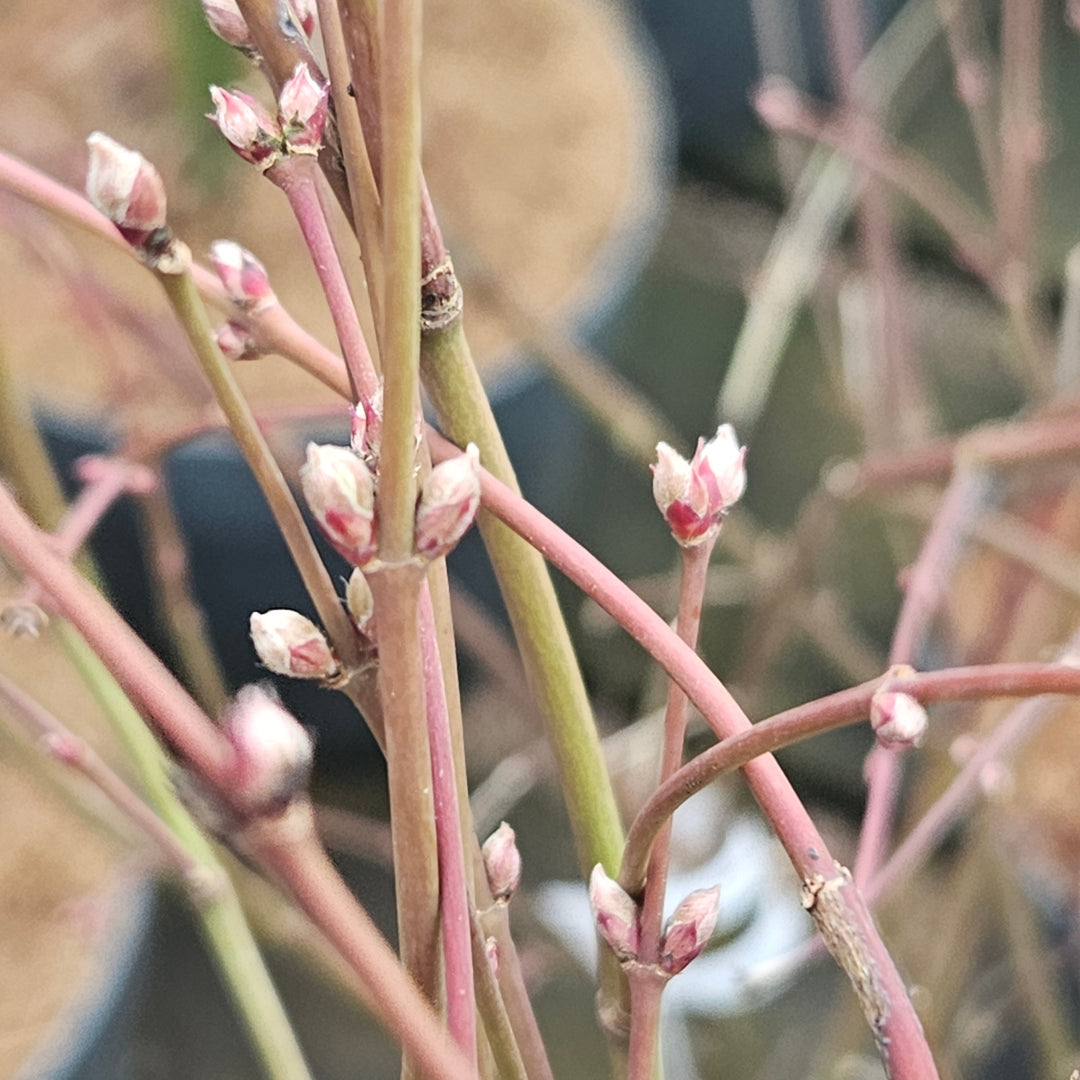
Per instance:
(176,608)
(925,588)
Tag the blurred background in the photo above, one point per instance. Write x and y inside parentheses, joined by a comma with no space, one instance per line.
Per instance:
(642,259)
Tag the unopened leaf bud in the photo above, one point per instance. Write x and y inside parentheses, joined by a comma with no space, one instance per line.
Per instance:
(616,915)
(302,109)
(290,644)
(251,131)
(359,599)
(695,495)
(244,277)
(235,342)
(689,929)
(898,720)
(273,751)
(502,861)
(448,503)
(340,493)
(125,187)
(228,23)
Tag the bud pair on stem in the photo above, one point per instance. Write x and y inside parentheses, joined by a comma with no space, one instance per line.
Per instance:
(341,492)
(618,920)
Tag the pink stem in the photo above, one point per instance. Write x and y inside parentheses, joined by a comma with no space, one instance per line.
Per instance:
(646,986)
(837,710)
(297,177)
(922,596)
(829,895)
(453,890)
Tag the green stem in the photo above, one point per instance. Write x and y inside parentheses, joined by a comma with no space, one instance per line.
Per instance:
(551,665)
(184,298)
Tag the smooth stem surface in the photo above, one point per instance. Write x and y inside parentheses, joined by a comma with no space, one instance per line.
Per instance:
(408,763)
(220,917)
(852,706)
(297,176)
(363,192)
(181,292)
(645,985)
(400,103)
(551,665)
(454,903)
(295,856)
(828,894)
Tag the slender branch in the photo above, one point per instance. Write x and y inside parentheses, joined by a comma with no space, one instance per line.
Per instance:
(297,176)
(785,109)
(182,295)
(847,707)
(646,983)
(926,585)
(829,896)
(363,192)
(454,903)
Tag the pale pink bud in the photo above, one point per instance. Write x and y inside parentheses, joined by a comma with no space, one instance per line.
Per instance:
(502,861)
(695,495)
(359,599)
(341,495)
(689,929)
(251,131)
(777,102)
(228,23)
(302,108)
(125,187)
(22,619)
(273,751)
(448,503)
(290,644)
(235,342)
(244,277)
(615,913)
(898,720)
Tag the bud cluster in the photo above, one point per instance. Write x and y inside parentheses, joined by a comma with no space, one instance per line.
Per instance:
(263,139)
(695,495)
(340,490)
(618,919)
(225,19)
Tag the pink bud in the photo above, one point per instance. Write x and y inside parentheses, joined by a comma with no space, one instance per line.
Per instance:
(273,752)
(689,929)
(252,132)
(125,187)
(244,277)
(615,913)
(448,503)
(695,495)
(302,109)
(341,494)
(359,600)
(502,861)
(228,23)
(235,342)
(290,644)
(777,102)
(898,720)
